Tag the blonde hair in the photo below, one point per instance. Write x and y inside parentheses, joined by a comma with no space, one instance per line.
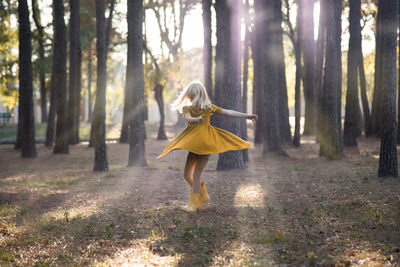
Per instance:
(194,94)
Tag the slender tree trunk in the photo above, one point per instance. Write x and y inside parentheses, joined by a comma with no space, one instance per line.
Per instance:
(27,128)
(231,86)
(398,76)
(99,116)
(283,110)
(42,72)
(207,49)
(245,74)
(352,115)
(272,139)
(258,92)
(51,119)
(75,60)
(363,87)
(158,94)
(309,66)
(388,150)
(319,67)
(89,84)
(298,50)
(135,83)
(376,101)
(60,78)
(331,145)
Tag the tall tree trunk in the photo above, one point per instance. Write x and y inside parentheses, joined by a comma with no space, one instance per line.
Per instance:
(376,101)
(298,50)
(398,76)
(319,67)
(207,49)
(283,110)
(363,87)
(99,116)
(309,66)
(258,92)
(272,140)
(75,60)
(388,150)
(331,145)
(59,76)
(89,85)
(158,94)
(51,119)
(245,74)
(231,86)
(27,128)
(135,83)
(42,72)
(352,115)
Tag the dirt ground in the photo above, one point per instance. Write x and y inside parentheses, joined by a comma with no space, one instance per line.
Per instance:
(279,211)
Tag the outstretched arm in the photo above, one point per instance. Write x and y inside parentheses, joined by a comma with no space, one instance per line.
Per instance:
(237,114)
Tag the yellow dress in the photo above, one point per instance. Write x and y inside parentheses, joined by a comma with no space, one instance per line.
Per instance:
(203,138)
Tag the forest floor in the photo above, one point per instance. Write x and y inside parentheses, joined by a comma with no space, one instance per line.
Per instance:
(280,211)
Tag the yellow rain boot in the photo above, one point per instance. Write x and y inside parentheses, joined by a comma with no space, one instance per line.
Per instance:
(204,197)
(194,203)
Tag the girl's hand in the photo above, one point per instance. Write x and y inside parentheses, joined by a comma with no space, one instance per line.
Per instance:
(253,117)
(201,118)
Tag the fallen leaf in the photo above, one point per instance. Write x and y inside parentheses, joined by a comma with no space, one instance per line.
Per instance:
(310,254)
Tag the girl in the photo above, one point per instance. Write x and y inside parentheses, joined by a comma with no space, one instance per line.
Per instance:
(201,139)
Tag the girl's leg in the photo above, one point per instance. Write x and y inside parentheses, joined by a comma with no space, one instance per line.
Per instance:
(190,165)
(198,170)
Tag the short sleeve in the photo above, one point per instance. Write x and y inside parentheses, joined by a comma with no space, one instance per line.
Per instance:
(216,109)
(185,110)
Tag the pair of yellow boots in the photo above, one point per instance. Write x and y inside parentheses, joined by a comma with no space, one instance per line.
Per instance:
(197,200)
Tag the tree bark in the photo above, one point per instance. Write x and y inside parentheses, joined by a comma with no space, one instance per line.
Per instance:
(27,128)
(258,92)
(388,151)
(42,72)
(89,85)
(309,66)
(158,94)
(330,144)
(352,115)
(59,77)
(75,62)
(272,139)
(135,83)
(231,87)
(99,116)
(319,67)
(207,49)
(298,50)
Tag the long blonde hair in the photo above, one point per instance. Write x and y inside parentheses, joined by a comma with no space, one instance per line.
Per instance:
(194,94)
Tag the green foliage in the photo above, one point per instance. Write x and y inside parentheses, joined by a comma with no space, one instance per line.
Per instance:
(8,54)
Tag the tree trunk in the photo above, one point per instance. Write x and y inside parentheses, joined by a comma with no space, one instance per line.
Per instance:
(272,140)
(158,94)
(89,84)
(75,61)
(330,144)
(363,86)
(388,150)
(59,76)
(376,101)
(258,92)
(319,67)
(42,72)
(135,83)
(309,66)
(398,76)
(283,110)
(352,115)
(207,49)
(298,50)
(99,116)
(27,128)
(245,74)
(231,87)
